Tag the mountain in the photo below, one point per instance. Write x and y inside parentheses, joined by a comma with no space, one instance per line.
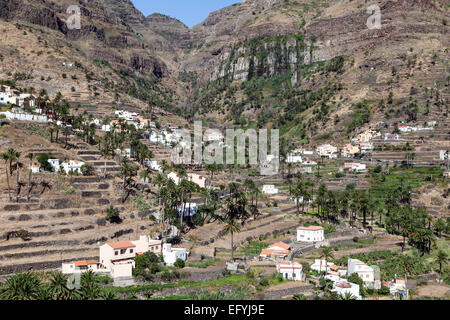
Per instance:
(311,68)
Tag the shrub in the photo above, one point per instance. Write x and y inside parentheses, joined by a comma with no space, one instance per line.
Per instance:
(179,264)
(112,215)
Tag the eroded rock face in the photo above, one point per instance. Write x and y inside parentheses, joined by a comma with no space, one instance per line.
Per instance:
(149,64)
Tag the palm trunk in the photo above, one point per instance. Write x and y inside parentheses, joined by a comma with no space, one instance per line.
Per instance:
(232,247)
(29,181)
(18,182)
(7,181)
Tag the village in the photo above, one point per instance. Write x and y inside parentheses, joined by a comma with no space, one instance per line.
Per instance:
(290,243)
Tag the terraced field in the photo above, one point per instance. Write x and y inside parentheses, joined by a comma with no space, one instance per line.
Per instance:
(65,224)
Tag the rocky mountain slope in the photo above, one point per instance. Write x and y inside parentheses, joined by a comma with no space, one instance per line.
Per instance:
(300,65)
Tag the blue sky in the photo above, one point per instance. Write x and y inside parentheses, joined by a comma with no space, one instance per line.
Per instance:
(190,12)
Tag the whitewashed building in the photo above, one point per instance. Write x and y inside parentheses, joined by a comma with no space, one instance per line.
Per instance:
(72,166)
(197,179)
(171,255)
(344,287)
(290,270)
(310,234)
(327,150)
(78,267)
(366,273)
(293,158)
(269,189)
(174,176)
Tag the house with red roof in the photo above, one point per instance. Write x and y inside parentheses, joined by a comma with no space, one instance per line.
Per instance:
(310,234)
(290,270)
(277,250)
(78,267)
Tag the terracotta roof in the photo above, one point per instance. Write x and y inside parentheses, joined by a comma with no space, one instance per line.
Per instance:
(311,228)
(281,245)
(84,263)
(121,244)
(269,252)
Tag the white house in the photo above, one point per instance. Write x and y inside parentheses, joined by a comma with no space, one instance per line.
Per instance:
(290,270)
(303,151)
(310,234)
(171,255)
(78,267)
(115,252)
(35,169)
(118,257)
(72,166)
(293,158)
(356,167)
(327,150)
(276,250)
(365,147)
(214,136)
(269,189)
(54,164)
(197,179)
(190,209)
(319,265)
(153,164)
(145,244)
(174,176)
(391,137)
(344,287)
(444,155)
(366,273)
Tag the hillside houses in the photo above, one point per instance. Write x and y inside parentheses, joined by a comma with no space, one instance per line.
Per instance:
(366,273)
(198,179)
(290,270)
(71,166)
(269,189)
(116,258)
(391,137)
(327,150)
(310,234)
(349,150)
(355,167)
(171,255)
(294,158)
(279,250)
(14,97)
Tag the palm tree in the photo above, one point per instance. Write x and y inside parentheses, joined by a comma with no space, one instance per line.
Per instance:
(441,258)
(90,289)
(232,227)
(108,295)
(18,166)
(58,285)
(327,254)
(22,286)
(5,157)
(347,296)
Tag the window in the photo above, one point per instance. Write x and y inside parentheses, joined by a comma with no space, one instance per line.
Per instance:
(123,251)
(131,250)
(116,253)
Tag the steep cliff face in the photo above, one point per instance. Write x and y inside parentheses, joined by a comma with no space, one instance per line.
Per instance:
(303,66)
(256,60)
